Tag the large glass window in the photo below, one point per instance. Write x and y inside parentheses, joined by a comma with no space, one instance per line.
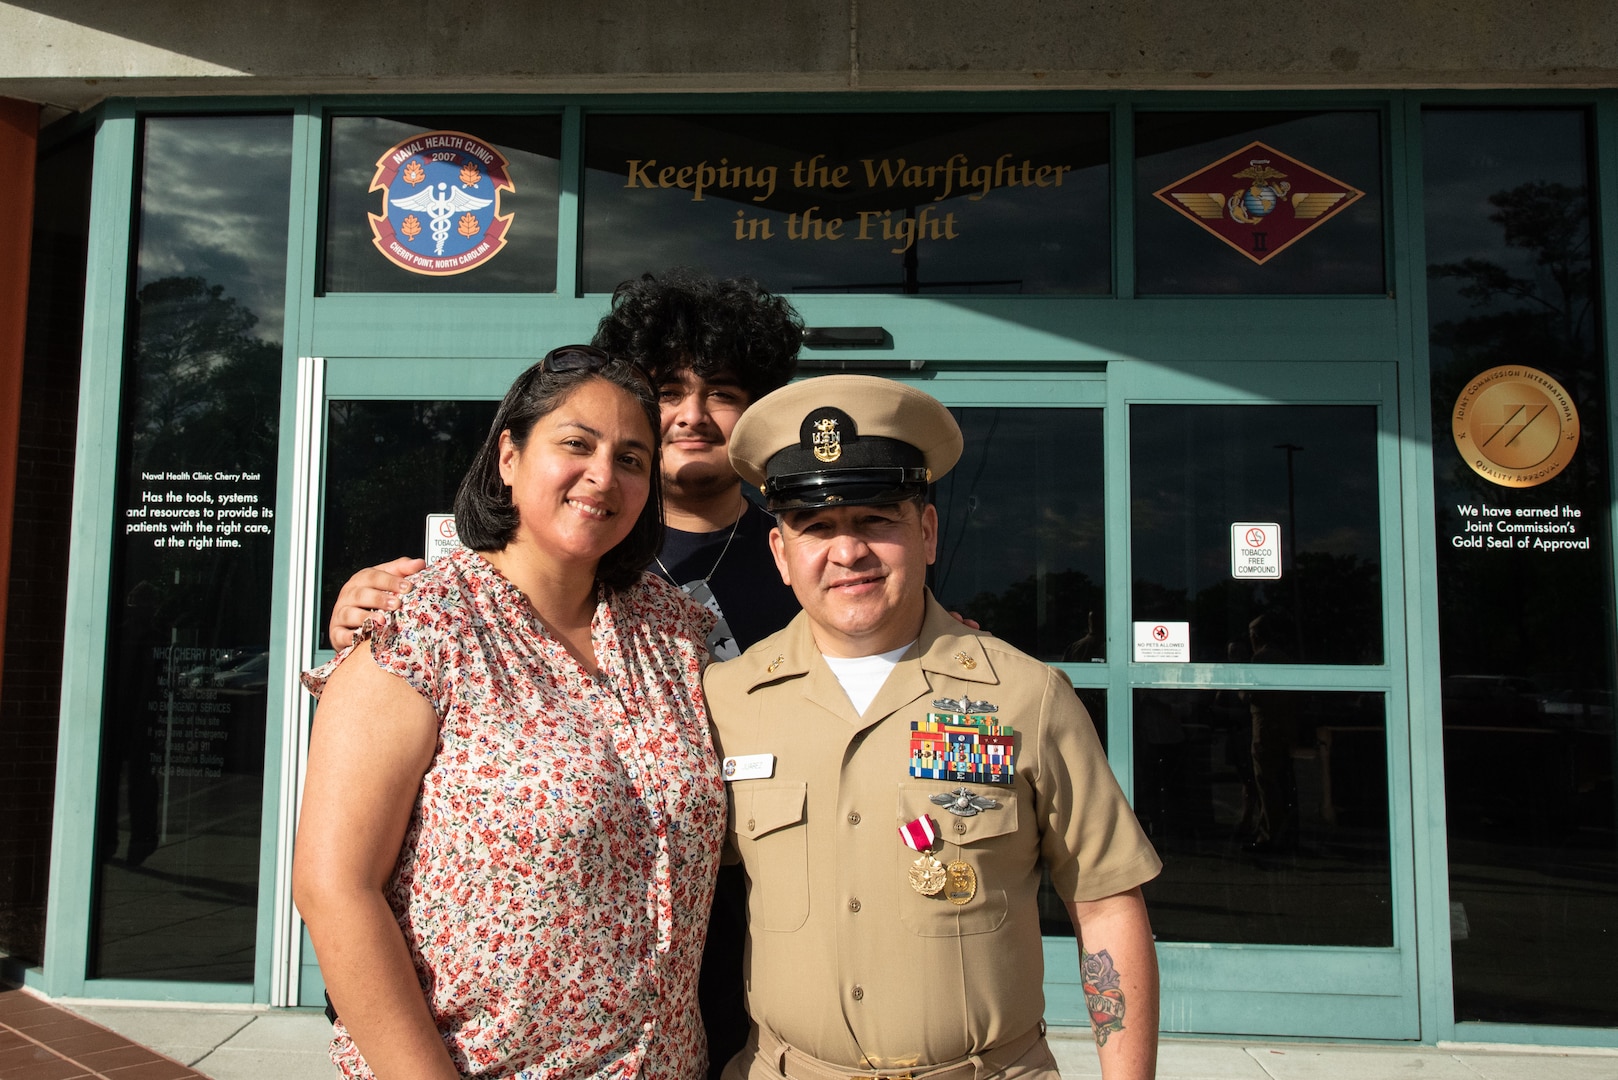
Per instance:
(1524,497)
(1021,537)
(182,755)
(1270,811)
(1258,203)
(442,204)
(1305,472)
(929,203)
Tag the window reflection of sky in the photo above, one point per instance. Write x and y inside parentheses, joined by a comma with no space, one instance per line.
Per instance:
(1215,465)
(220,225)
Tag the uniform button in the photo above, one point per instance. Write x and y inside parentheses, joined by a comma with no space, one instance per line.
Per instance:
(859,993)
(853,905)
(960,826)
(751,825)
(853,817)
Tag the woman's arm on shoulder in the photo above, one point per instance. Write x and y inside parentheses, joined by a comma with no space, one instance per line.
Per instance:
(372,740)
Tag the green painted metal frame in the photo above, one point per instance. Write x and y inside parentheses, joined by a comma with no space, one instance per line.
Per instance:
(954,334)
(1322,991)
(302,247)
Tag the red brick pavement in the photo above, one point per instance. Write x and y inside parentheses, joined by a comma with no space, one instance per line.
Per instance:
(39,1041)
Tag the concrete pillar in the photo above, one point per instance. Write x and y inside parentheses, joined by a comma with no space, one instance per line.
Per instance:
(19,140)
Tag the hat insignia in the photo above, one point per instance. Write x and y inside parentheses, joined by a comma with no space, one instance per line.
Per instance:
(828,441)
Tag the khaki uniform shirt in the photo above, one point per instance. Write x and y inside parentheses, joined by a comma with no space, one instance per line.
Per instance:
(846,961)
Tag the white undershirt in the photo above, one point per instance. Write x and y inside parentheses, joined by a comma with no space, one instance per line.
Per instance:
(863,676)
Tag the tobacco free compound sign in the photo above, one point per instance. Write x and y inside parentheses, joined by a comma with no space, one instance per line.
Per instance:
(1255,550)
(441,536)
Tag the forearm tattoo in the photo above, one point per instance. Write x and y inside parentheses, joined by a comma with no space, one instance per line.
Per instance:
(1102,993)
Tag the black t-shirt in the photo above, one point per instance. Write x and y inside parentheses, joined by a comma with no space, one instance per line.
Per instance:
(747,593)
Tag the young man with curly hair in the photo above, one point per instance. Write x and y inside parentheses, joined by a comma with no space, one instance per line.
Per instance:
(713,347)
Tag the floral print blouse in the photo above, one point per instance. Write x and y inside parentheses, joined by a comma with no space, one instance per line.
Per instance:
(557,870)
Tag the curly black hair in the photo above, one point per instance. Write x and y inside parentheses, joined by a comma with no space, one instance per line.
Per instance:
(685,319)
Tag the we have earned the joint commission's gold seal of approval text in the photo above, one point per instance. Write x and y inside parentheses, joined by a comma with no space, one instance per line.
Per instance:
(1515,426)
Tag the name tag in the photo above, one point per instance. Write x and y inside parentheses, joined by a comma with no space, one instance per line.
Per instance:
(750,767)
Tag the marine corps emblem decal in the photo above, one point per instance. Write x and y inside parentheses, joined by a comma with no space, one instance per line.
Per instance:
(441,203)
(1258,200)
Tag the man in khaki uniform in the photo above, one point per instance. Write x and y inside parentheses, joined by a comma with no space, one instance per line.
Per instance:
(897,780)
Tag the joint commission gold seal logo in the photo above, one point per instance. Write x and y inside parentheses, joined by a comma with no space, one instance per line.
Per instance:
(1515,426)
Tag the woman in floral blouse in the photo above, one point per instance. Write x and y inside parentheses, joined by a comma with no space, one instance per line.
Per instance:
(512,815)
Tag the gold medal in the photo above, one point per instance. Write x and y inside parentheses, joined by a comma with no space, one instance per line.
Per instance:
(963,883)
(927,875)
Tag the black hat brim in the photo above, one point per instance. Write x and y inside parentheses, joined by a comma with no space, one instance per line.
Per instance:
(876,486)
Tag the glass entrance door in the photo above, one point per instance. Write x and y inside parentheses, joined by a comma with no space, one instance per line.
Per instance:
(1265,677)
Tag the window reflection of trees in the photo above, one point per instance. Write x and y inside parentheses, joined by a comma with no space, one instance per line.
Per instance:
(202,395)
(1531,304)
(1526,638)
(205,394)
(206,387)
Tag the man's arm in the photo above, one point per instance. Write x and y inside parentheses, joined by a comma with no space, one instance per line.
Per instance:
(1119,965)
(367,595)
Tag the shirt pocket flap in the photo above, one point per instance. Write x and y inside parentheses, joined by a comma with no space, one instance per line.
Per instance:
(762,807)
(916,800)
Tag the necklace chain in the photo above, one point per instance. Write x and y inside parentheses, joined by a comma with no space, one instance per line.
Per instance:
(737,524)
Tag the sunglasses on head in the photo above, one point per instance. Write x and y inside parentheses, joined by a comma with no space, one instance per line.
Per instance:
(586,358)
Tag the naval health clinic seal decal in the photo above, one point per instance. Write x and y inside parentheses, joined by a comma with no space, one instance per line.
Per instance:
(1515,426)
(441,203)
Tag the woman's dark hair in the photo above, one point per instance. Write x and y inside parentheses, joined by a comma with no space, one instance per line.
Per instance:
(685,319)
(484,515)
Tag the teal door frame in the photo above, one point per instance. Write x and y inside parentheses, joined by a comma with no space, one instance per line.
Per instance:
(1331,991)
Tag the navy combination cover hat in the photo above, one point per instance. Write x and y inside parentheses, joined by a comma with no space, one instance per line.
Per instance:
(844,440)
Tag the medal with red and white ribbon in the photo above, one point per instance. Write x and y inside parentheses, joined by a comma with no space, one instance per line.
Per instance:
(927,874)
(919,835)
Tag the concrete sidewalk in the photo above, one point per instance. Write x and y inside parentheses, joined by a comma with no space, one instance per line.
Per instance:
(239,1044)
